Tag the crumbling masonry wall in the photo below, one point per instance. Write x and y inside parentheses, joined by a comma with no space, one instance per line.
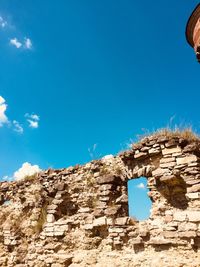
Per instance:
(45,220)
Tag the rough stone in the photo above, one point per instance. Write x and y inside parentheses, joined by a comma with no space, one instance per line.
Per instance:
(172,150)
(83,211)
(186,160)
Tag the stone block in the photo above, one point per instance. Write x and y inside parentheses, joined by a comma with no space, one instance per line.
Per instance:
(49,229)
(64,258)
(167,160)
(171,150)
(180,216)
(63,221)
(56,265)
(105,187)
(168,218)
(122,199)
(168,165)
(193,216)
(140,155)
(136,241)
(100,221)
(154,151)
(61,228)
(88,226)
(169,234)
(187,234)
(105,193)
(121,221)
(159,172)
(84,210)
(108,179)
(194,189)
(187,226)
(186,160)
(110,221)
(60,186)
(104,198)
(59,233)
(116,230)
(98,212)
(193,195)
(50,234)
(52,207)
(159,241)
(113,234)
(144,149)
(191,181)
(50,218)
(112,210)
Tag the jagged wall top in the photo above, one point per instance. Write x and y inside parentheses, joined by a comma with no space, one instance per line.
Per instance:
(86,207)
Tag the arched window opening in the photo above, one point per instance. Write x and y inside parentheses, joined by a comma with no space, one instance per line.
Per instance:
(139,202)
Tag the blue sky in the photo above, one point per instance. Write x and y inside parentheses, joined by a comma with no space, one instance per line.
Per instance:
(139,202)
(94,72)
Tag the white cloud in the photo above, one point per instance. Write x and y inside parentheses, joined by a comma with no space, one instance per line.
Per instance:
(15,43)
(141,186)
(33,124)
(17,127)
(33,120)
(4,119)
(108,157)
(3,22)
(34,117)
(3,107)
(26,170)
(28,43)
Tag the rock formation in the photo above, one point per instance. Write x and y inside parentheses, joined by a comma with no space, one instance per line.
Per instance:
(78,216)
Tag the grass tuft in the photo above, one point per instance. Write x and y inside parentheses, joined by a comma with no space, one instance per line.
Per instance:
(186,133)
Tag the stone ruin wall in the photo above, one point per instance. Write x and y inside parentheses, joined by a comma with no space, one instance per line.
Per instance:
(45,220)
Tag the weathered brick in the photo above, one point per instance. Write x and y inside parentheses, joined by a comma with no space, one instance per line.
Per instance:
(193,216)
(99,221)
(186,160)
(172,150)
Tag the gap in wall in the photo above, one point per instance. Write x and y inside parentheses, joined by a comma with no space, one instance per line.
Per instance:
(139,203)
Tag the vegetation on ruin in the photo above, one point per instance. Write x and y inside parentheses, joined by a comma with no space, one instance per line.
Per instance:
(186,133)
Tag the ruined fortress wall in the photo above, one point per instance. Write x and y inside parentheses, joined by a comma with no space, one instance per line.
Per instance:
(46,220)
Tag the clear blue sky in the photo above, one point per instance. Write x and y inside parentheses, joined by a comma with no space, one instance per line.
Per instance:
(95,72)
(138,199)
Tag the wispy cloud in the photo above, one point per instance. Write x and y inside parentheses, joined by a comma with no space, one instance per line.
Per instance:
(141,186)
(26,170)
(92,151)
(15,43)
(33,120)
(3,22)
(25,44)
(3,107)
(28,43)
(17,127)
(18,41)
